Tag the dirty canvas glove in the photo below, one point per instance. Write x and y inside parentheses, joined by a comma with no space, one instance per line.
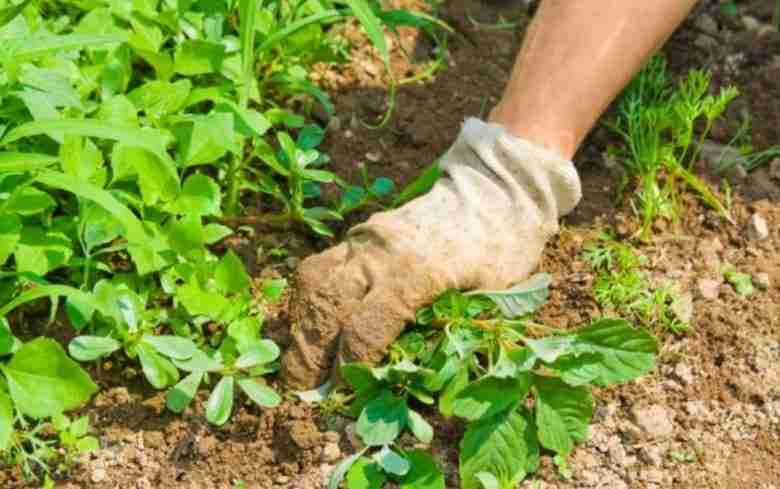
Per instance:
(483,225)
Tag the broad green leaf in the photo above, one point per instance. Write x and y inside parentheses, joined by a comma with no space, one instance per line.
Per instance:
(488,480)
(382,420)
(134,229)
(310,137)
(198,57)
(40,252)
(260,352)
(451,392)
(205,139)
(29,201)
(220,403)
(424,472)
(550,348)
(185,236)
(522,299)
(158,98)
(6,421)
(504,446)
(621,352)
(199,362)
(291,28)
(230,274)
(181,395)
(337,476)
(43,381)
(246,333)
(80,427)
(365,474)
(260,393)
(88,348)
(7,14)
(213,233)
(171,346)
(10,234)
(391,462)
(382,187)
(420,427)
(98,226)
(160,372)
(491,395)
(118,109)
(87,444)
(562,413)
(248,122)
(158,177)
(55,85)
(359,376)
(15,162)
(200,195)
(79,313)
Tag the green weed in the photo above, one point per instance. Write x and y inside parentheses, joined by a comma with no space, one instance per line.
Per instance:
(480,357)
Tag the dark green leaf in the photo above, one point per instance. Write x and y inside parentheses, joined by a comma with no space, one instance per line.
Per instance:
(382,420)
(365,474)
(220,403)
(10,234)
(6,421)
(181,395)
(562,414)
(424,473)
(420,185)
(490,395)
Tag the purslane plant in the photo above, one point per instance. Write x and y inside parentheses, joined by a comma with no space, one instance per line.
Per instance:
(521,388)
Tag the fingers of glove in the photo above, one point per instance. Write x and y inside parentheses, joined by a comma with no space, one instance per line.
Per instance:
(326,287)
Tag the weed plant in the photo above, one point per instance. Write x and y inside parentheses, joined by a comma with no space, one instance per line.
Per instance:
(662,125)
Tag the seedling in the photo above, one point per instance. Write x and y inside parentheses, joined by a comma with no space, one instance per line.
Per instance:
(623,288)
(480,357)
(742,282)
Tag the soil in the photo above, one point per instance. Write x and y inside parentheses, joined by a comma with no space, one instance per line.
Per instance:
(707,417)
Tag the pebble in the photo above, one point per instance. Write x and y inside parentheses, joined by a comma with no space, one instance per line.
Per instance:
(331,452)
(99,475)
(683,307)
(762,280)
(683,373)
(706,23)
(652,455)
(708,288)
(751,23)
(655,421)
(757,229)
(705,41)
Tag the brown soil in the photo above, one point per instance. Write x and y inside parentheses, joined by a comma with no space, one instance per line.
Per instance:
(718,385)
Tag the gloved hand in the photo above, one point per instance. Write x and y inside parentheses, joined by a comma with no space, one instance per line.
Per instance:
(483,225)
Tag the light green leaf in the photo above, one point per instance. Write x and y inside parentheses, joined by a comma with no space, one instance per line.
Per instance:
(47,291)
(198,57)
(10,234)
(491,395)
(382,420)
(6,421)
(248,122)
(424,473)
(488,480)
(246,333)
(181,395)
(562,413)
(88,348)
(200,195)
(550,348)
(620,352)
(220,403)
(205,139)
(372,26)
(171,346)
(273,289)
(230,275)
(185,236)
(420,427)
(261,394)
(87,444)
(40,252)
(28,201)
(15,162)
(522,299)
(158,98)
(160,372)
(450,393)
(43,381)
(391,462)
(158,177)
(503,445)
(260,352)
(247,12)
(365,474)
(7,14)
(199,362)
(26,48)
(7,340)
(98,226)
(337,476)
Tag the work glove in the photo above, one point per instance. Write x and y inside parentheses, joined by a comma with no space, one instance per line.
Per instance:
(483,225)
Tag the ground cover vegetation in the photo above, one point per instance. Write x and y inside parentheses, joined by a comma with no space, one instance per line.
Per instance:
(131,136)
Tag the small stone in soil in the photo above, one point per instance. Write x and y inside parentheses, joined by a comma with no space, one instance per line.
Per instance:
(757,228)
(708,288)
(706,23)
(683,373)
(655,421)
(331,452)
(652,455)
(762,280)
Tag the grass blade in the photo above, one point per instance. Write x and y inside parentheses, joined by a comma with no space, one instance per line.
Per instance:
(27,49)
(247,12)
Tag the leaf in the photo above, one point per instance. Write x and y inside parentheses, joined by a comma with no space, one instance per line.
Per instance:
(310,137)
(382,187)
(197,57)
(316,395)
(551,347)
(420,427)
(260,393)
(503,445)
(562,414)
(450,393)
(220,403)
(365,474)
(47,291)
(424,473)
(8,14)
(40,252)
(7,340)
(488,480)
(337,476)
(213,233)
(199,195)
(29,48)
(10,234)
(622,352)
(260,352)
(522,299)
(230,274)
(200,361)
(88,348)
(420,185)
(382,420)
(171,346)
(491,395)
(392,462)
(272,289)
(159,98)
(6,421)
(205,139)
(29,201)
(359,376)
(247,12)
(157,370)
(158,177)
(181,395)
(15,162)
(43,381)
